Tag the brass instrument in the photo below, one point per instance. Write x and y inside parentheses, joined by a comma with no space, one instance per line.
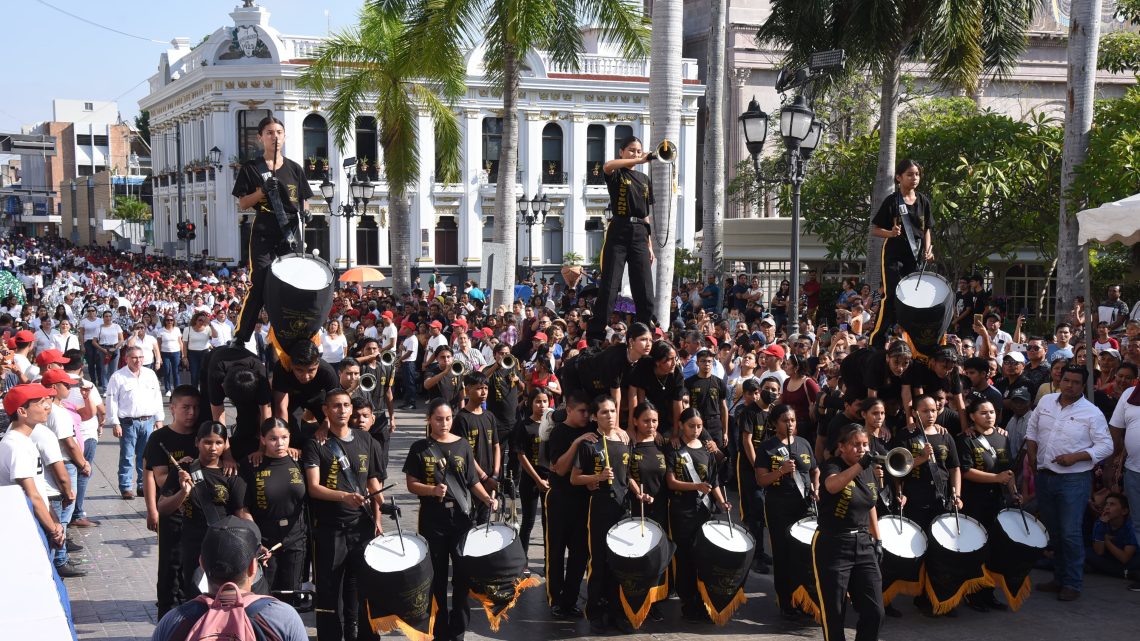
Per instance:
(666,152)
(509,362)
(388,359)
(368,382)
(459,368)
(897,462)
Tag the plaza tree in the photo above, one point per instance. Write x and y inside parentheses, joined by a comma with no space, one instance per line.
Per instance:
(367,72)
(712,206)
(133,211)
(441,32)
(665,119)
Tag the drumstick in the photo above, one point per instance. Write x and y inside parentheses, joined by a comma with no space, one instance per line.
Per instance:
(399,530)
(386,487)
(261,557)
(643,519)
(487,530)
(606,454)
(173,460)
(1024,521)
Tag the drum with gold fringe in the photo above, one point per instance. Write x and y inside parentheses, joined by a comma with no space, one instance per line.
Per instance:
(804,593)
(904,545)
(723,554)
(638,554)
(493,559)
(1017,541)
(298,299)
(396,582)
(955,561)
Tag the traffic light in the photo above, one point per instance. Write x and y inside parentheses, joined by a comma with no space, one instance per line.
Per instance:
(181,230)
(186,230)
(190,227)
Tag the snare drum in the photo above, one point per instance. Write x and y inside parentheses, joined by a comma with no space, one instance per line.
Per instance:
(638,553)
(904,545)
(396,583)
(1017,542)
(924,307)
(492,557)
(954,562)
(802,564)
(723,554)
(298,297)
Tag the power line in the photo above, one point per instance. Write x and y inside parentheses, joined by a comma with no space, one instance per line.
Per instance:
(96,24)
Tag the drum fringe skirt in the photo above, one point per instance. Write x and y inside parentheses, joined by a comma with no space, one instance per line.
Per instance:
(655,594)
(392,622)
(803,599)
(902,586)
(949,602)
(722,616)
(1002,582)
(497,607)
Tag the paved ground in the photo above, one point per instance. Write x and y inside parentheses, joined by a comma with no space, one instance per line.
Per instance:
(116,599)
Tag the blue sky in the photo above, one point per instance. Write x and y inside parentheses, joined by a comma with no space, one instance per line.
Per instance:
(51,55)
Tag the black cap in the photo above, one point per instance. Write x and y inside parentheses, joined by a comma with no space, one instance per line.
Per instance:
(229,546)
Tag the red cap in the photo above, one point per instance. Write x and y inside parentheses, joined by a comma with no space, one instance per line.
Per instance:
(712,341)
(657,331)
(24,336)
(53,376)
(488,332)
(12,342)
(436,324)
(352,313)
(21,394)
(387,315)
(775,350)
(539,336)
(459,322)
(582,344)
(49,357)
(408,325)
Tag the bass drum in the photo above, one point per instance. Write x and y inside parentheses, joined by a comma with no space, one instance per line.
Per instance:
(804,595)
(1017,542)
(904,545)
(954,563)
(492,557)
(298,298)
(723,554)
(638,553)
(924,306)
(396,582)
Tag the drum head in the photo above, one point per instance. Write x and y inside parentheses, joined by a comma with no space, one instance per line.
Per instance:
(1015,528)
(728,536)
(902,537)
(925,292)
(961,534)
(384,554)
(631,540)
(803,530)
(302,272)
(484,541)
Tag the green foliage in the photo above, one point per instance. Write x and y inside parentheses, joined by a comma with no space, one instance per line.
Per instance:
(131,209)
(1112,169)
(1119,52)
(1115,264)
(142,125)
(572,258)
(686,265)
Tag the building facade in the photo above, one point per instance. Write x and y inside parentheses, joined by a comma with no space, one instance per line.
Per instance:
(213,95)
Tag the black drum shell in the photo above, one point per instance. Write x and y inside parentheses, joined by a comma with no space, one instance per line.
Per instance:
(495,575)
(722,571)
(403,593)
(296,314)
(925,326)
(636,576)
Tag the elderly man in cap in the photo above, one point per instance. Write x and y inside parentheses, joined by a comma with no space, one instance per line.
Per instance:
(230,554)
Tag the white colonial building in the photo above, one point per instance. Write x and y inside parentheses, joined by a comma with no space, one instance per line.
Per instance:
(213,95)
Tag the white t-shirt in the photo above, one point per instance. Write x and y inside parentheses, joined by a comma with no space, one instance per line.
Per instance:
(64,342)
(333,348)
(22,363)
(389,336)
(88,429)
(1000,340)
(1126,416)
(411,348)
(196,341)
(435,342)
(109,334)
(168,339)
(19,459)
(225,333)
(44,340)
(48,446)
(90,327)
(60,422)
(146,344)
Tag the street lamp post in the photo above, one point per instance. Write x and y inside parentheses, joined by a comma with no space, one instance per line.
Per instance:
(800,132)
(360,192)
(530,213)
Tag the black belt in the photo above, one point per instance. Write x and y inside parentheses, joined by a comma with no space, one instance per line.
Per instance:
(1048,472)
(138,418)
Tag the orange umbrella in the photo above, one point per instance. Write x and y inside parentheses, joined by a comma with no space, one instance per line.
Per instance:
(361,275)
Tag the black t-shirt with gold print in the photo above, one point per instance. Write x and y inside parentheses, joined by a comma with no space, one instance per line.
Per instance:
(631,194)
(294,191)
(363,454)
(850,508)
(212,499)
(422,464)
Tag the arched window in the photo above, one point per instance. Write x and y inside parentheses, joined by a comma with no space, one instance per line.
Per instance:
(316,145)
(446,241)
(552,240)
(595,154)
(621,132)
(552,173)
(492,145)
(367,145)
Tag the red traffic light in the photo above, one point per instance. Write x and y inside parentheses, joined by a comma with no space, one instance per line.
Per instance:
(190,227)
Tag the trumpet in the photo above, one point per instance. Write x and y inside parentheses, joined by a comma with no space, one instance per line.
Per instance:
(368,382)
(509,362)
(459,368)
(897,462)
(388,359)
(666,152)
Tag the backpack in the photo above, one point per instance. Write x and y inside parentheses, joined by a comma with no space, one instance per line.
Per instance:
(229,616)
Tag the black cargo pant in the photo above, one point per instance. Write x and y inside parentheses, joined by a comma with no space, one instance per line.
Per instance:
(601,587)
(566,547)
(263,249)
(444,526)
(338,556)
(168,588)
(845,563)
(625,242)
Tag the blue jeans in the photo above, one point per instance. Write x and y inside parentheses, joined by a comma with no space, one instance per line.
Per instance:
(81,485)
(131,447)
(171,364)
(59,557)
(1062,499)
(1132,491)
(409,371)
(107,368)
(92,355)
(196,358)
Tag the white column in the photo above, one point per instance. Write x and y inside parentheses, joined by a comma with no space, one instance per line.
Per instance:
(686,212)
(423,211)
(470,204)
(609,145)
(530,244)
(574,215)
(646,135)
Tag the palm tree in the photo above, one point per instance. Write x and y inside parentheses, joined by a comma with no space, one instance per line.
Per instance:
(712,247)
(133,210)
(367,72)
(1084,38)
(665,118)
(960,40)
(440,32)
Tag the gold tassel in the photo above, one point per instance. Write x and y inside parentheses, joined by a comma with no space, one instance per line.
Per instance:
(802,600)
(722,617)
(911,588)
(969,587)
(1015,600)
(393,622)
(658,593)
(495,620)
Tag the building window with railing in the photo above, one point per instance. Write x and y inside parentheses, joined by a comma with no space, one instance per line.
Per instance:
(316,146)
(595,154)
(621,132)
(552,173)
(1024,285)
(446,241)
(492,144)
(367,146)
(248,145)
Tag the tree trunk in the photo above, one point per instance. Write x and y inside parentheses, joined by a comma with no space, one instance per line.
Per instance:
(665,117)
(399,228)
(885,172)
(1084,36)
(712,244)
(506,231)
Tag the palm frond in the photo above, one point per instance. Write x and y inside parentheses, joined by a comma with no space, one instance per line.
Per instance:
(1004,37)
(620,22)
(448,134)
(953,43)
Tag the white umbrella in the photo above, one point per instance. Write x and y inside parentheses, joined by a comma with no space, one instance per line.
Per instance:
(1111,222)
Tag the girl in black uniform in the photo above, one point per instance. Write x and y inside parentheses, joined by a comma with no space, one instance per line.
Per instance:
(532,484)
(846,549)
(986,467)
(786,469)
(603,468)
(874,413)
(204,494)
(751,418)
(628,238)
(440,470)
(275,501)
(658,380)
(690,506)
(648,467)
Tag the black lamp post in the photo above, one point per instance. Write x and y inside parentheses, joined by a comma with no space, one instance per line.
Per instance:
(800,132)
(531,213)
(361,192)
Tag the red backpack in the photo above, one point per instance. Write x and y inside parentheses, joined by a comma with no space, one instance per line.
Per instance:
(228,616)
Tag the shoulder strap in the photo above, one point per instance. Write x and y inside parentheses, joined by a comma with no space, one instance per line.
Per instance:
(460,492)
(194,609)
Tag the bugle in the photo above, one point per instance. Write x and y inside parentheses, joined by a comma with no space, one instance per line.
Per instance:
(367,382)
(666,152)
(509,362)
(897,462)
(388,359)
(459,368)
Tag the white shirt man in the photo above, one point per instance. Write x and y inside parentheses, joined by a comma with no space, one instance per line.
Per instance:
(225,331)
(134,408)
(389,333)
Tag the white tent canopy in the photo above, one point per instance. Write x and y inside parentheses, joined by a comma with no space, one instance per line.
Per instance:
(1111,222)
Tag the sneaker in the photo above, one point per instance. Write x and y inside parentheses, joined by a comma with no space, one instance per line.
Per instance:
(128,495)
(167,393)
(69,571)
(72,546)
